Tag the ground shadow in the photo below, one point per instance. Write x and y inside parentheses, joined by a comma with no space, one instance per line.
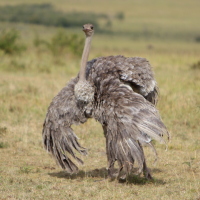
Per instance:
(98,173)
(102,174)
(141,180)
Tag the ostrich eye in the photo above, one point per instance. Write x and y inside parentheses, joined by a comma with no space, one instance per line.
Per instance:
(91,27)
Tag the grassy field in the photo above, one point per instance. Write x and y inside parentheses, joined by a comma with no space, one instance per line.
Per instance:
(162,31)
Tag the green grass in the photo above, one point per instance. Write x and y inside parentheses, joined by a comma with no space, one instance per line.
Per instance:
(29,81)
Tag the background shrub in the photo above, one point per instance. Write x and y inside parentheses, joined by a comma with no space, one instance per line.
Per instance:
(9,42)
(62,43)
(197,39)
(196,65)
(45,14)
(120,16)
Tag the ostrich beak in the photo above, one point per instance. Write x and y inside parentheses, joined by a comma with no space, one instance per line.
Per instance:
(86,30)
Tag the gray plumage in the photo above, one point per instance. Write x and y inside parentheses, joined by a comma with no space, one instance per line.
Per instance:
(121,94)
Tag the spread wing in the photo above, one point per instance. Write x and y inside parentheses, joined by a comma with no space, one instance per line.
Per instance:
(128,120)
(58,136)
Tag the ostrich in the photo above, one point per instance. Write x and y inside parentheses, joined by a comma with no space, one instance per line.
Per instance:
(120,93)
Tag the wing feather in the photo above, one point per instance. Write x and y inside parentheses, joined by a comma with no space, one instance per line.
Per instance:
(129,120)
(58,137)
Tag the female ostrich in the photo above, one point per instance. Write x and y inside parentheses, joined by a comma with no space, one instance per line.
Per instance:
(121,94)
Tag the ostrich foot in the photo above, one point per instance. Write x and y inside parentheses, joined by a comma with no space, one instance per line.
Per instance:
(147,174)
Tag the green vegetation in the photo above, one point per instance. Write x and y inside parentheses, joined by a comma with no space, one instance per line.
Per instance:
(8,42)
(62,43)
(3,145)
(45,14)
(196,65)
(197,39)
(166,33)
(120,15)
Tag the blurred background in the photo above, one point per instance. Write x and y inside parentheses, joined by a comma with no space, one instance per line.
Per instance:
(41,43)
(121,26)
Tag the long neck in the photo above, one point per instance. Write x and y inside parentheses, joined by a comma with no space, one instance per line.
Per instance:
(84,59)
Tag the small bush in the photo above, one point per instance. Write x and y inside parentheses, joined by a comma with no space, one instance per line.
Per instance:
(3,130)
(4,145)
(196,65)
(197,39)
(75,44)
(9,42)
(25,169)
(120,16)
(61,43)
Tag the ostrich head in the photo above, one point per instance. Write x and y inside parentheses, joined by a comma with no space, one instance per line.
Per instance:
(84,91)
(88,29)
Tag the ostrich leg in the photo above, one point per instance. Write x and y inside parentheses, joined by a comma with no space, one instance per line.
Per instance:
(146,171)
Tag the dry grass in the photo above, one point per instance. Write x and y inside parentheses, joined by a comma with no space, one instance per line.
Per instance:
(29,82)
(27,172)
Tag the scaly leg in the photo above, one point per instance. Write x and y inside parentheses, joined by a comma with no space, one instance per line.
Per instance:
(146,171)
